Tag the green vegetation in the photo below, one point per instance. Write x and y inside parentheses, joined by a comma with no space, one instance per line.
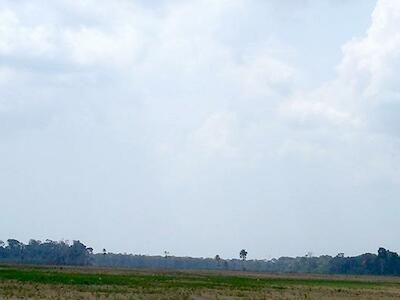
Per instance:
(174,280)
(42,282)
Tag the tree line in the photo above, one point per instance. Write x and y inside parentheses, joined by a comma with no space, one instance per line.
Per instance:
(48,252)
(384,262)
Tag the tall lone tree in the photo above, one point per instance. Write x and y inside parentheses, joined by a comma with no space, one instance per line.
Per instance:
(243,254)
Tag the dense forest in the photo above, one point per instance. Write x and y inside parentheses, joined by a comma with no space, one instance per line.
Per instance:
(50,252)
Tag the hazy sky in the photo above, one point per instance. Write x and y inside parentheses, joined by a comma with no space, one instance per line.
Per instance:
(201,127)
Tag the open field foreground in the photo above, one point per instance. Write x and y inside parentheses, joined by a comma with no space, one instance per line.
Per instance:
(86,283)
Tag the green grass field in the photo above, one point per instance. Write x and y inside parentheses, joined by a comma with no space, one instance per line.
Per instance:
(90,283)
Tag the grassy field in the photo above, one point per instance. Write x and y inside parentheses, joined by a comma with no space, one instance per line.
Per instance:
(88,283)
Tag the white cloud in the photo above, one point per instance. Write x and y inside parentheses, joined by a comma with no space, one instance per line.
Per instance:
(329,105)
(216,136)
(19,39)
(371,63)
(192,103)
(90,46)
(353,118)
(366,88)
(318,110)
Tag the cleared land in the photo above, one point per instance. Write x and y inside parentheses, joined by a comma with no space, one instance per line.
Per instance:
(89,283)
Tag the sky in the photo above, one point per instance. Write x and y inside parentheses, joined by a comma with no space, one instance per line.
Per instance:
(201,127)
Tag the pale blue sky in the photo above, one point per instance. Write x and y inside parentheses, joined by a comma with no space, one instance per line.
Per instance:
(201,127)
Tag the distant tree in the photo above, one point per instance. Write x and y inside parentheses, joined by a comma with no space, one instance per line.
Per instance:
(166,253)
(78,254)
(218,260)
(48,252)
(3,251)
(15,247)
(243,254)
(309,254)
(340,255)
(14,244)
(382,252)
(34,243)
(104,251)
